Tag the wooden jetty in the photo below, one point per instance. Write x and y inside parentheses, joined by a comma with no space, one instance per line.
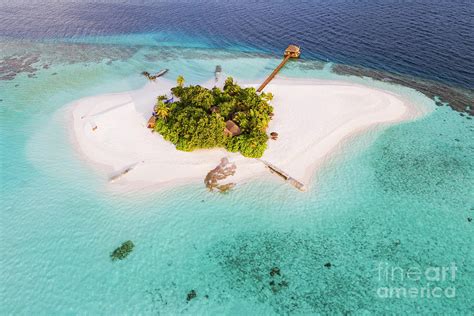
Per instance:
(274,169)
(291,51)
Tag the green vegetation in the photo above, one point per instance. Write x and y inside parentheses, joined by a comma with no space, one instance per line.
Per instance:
(161,110)
(180,81)
(123,251)
(198,119)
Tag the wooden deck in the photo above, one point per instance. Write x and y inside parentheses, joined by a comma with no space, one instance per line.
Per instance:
(275,170)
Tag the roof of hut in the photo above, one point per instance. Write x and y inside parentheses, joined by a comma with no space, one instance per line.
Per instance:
(293,51)
(152,121)
(293,48)
(231,128)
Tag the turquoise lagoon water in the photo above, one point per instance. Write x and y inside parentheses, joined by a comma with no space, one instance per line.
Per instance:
(399,197)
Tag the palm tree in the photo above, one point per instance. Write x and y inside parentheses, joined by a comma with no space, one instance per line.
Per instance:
(180,80)
(267,96)
(162,111)
(161,98)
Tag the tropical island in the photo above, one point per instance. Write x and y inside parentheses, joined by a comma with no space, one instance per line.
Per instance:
(215,130)
(234,118)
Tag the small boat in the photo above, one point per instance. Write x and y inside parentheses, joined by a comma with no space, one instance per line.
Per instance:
(153,77)
(161,73)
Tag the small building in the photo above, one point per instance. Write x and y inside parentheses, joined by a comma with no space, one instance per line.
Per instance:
(293,51)
(232,129)
(151,122)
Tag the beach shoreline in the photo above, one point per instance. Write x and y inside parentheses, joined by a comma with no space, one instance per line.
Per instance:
(314,120)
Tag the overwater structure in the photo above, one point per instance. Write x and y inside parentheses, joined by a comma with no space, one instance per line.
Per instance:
(292,51)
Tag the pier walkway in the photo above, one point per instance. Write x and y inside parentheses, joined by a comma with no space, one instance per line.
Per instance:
(291,51)
(274,169)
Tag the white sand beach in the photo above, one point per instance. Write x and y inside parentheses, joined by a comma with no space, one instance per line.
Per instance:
(312,117)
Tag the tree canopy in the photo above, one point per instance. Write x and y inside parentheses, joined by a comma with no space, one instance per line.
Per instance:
(198,118)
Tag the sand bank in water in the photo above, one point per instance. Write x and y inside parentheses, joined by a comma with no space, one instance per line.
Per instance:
(312,118)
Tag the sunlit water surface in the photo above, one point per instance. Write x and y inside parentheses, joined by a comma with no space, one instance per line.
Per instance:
(399,197)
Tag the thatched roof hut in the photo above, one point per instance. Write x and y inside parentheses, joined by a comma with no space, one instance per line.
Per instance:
(151,122)
(293,51)
(232,129)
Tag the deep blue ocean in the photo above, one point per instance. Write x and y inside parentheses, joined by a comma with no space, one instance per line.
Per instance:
(424,38)
(397,199)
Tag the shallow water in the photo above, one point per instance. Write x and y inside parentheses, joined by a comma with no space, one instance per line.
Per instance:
(399,197)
